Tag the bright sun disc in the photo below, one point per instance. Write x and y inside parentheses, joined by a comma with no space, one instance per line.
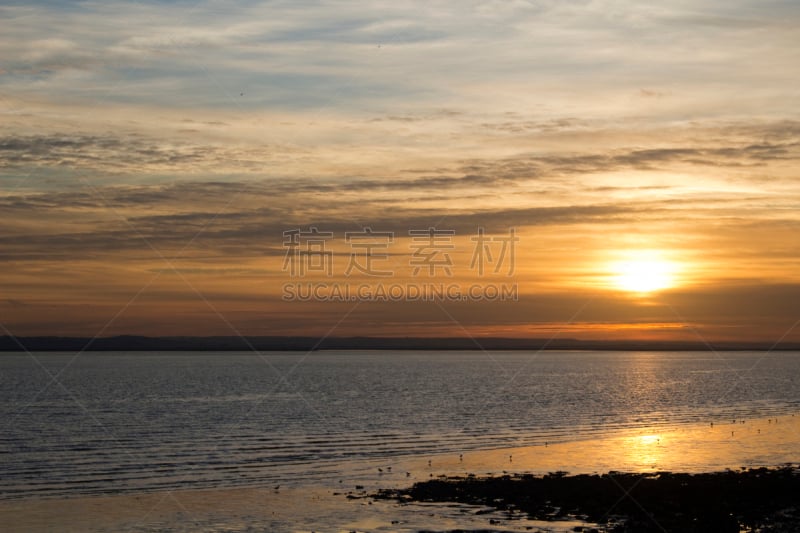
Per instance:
(643,275)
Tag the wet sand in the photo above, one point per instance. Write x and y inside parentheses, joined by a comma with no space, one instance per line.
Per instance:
(335,506)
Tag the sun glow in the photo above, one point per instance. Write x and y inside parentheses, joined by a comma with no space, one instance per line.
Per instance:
(643,272)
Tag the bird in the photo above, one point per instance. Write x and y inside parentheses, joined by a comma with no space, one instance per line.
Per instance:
(380,470)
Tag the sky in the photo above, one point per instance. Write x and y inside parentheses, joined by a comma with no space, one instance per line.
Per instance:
(585,169)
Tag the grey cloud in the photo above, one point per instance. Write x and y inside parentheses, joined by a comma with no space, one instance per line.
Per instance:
(552,165)
(532,126)
(772,132)
(241,230)
(767,152)
(84,150)
(129,154)
(732,146)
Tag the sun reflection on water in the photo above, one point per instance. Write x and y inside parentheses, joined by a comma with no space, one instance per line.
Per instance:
(645,451)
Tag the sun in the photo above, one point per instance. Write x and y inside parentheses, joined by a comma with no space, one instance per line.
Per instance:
(643,273)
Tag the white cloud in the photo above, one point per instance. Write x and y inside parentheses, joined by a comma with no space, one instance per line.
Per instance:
(588,57)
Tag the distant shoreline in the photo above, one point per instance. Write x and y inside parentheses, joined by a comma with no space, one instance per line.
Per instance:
(128,343)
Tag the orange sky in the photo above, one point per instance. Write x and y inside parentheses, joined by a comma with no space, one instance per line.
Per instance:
(151,159)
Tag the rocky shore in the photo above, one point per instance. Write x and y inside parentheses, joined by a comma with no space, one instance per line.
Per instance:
(762,500)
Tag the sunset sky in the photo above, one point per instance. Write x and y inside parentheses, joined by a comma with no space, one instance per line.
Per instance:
(645,156)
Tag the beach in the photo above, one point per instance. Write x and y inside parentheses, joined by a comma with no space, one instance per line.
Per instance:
(351,505)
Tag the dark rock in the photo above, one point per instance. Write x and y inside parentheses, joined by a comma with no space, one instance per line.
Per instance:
(731,501)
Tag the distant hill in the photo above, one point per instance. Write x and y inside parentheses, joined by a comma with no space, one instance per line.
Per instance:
(139,343)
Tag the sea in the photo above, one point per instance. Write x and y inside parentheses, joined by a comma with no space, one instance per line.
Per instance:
(103,423)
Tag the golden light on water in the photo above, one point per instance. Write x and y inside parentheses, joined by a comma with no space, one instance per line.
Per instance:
(649,439)
(646,451)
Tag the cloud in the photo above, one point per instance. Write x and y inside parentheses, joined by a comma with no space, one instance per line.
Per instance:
(103,213)
(355,57)
(131,154)
(111,220)
(592,125)
(143,154)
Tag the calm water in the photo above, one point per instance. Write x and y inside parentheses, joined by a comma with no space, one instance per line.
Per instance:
(148,421)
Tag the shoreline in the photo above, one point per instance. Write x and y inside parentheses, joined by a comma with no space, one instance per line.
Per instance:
(140,343)
(309,506)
